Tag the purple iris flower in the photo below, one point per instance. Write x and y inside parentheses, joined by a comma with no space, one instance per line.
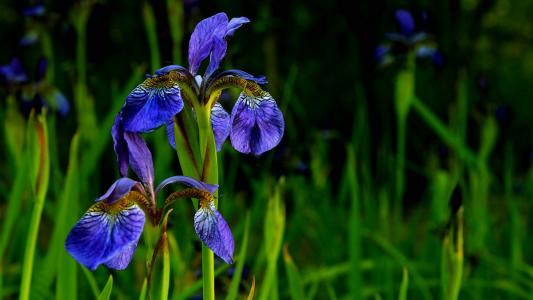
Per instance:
(398,44)
(108,233)
(255,124)
(34,93)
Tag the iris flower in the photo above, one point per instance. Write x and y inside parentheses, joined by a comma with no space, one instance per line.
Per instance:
(398,44)
(108,233)
(35,93)
(255,124)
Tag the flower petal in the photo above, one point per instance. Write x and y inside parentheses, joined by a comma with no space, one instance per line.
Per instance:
(261,79)
(166,69)
(256,124)
(106,234)
(220,121)
(151,104)
(140,157)
(189,181)
(213,230)
(170,133)
(201,41)
(405,20)
(234,24)
(217,54)
(122,259)
(13,72)
(119,189)
(120,146)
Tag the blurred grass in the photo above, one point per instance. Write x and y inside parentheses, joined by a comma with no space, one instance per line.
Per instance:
(363,203)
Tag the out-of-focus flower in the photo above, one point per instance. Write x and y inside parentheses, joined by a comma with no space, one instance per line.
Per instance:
(108,233)
(33,94)
(398,44)
(255,124)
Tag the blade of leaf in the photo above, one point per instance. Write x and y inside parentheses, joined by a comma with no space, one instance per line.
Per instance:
(295,281)
(106,292)
(404,285)
(252,290)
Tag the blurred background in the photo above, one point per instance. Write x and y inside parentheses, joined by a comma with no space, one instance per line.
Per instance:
(405,171)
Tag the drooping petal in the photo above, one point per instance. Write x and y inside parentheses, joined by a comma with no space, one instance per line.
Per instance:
(257,124)
(406,21)
(234,24)
(122,259)
(29,38)
(201,41)
(106,233)
(151,104)
(220,122)
(55,99)
(213,230)
(140,157)
(120,146)
(197,184)
(119,189)
(170,134)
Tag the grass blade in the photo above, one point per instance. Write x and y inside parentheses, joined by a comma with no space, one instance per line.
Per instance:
(106,292)
(295,281)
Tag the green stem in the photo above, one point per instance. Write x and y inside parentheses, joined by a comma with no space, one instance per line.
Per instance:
(209,175)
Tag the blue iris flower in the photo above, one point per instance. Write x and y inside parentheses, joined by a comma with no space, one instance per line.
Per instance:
(255,124)
(108,233)
(398,44)
(36,93)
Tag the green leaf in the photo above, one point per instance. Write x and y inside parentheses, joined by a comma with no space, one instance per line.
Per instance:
(106,292)
(296,289)
(404,285)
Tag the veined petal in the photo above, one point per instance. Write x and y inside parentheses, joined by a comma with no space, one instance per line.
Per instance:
(257,124)
(106,233)
(213,231)
(405,20)
(119,189)
(151,104)
(120,146)
(220,122)
(189,181)
(140,157)
(201,41)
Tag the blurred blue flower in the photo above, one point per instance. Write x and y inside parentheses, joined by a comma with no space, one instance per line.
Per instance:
(255,125)
(398,44)
(33,94)
(108,233)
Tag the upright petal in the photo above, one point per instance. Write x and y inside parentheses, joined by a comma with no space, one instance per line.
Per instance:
(234,24)
(119,189)
(257,124)
(201,41)
(213,230)
(151,104)
(406,21)
(140,157)
(220,121)
(189,181)
(120,146)
(106,233)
